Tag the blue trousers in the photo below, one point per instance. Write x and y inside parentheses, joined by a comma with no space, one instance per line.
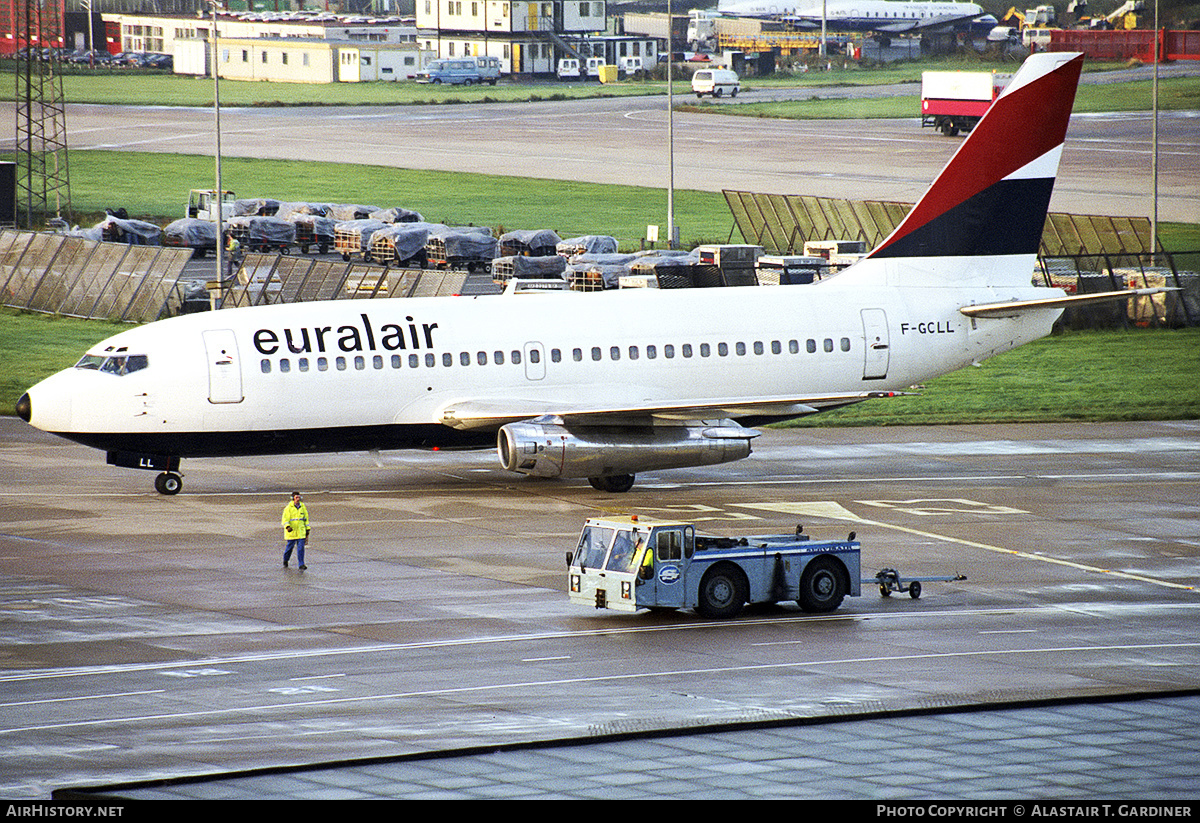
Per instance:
(298,545)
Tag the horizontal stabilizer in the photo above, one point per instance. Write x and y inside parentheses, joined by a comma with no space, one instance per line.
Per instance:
(1016,307)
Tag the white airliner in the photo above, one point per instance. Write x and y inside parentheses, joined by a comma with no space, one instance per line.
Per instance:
(598,385)
(884,16)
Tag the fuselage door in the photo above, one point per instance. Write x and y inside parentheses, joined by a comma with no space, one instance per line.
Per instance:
(535,361)
(224,369)
(877,350)
(670,588)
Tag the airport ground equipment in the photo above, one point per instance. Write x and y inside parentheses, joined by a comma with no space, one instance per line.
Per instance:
(191,233)
(529,243)
(262,233)
(202,204)
(717,576)
(313,230)
(468,247)
(353,237)
(401,244)
(889,580)
(953,101)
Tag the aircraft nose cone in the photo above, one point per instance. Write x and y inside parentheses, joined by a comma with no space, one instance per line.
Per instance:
(24,408)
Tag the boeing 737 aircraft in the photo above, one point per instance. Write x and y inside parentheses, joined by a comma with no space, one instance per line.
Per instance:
(883,16)
(598,385)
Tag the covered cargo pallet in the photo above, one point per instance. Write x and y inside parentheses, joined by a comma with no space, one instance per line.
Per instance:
(262,233)
(587,244)
(134,232)
(670,271)
(351,237)
(313,230)
(255,207)
(529,243)
(468,247)
(397,215)
(191,233)
(595,272)
(350,211)
(506,268)
(401,244)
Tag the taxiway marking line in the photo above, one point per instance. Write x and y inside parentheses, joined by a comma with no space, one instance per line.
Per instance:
(835,511)
(80,697)
(1028,556)
(618,678)
(590,633)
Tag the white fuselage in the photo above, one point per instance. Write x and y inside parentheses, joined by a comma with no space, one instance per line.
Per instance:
(403,362)
(861,15)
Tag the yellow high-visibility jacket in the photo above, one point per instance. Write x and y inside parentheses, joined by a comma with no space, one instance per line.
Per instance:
(295,521)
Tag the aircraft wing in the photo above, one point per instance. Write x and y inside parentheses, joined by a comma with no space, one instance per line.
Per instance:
(1016,307)
(492,413)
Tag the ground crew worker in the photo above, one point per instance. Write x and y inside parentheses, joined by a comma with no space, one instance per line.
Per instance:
(296,530)
(233,250)
(646,570)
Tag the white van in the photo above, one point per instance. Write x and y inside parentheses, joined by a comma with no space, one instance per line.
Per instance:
(568,69)
(463,70)
(717,82)
(629,66)
(593,66)
(489,69)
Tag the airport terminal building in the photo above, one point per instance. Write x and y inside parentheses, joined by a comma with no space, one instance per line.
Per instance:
(527,38)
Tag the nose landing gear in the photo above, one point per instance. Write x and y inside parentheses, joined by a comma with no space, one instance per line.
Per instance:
(168,483)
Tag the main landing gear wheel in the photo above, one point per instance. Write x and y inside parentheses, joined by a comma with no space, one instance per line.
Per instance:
(168,483)
(614,483)
(822,586)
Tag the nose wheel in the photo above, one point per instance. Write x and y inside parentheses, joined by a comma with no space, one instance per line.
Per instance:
(168,483)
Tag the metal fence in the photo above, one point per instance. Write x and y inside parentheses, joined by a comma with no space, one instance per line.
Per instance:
(264,279)
(1079,253)
(1091,273)
(56,274)
(782,224)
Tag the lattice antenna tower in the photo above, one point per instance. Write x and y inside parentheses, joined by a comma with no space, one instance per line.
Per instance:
(43,181)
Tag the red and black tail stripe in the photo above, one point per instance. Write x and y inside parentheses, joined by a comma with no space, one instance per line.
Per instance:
(978,205)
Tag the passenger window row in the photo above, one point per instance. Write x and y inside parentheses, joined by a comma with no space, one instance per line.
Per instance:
(668,351)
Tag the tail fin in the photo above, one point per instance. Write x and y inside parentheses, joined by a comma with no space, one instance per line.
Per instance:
(992,197)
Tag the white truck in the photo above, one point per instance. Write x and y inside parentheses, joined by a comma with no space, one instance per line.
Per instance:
(629,563)
(202,204)
(954,101)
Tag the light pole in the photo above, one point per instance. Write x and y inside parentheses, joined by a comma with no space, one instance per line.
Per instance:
(219,194)
(1154,144)
(87,5)
(672,230)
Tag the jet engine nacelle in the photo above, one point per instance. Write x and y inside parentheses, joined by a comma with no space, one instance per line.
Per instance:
(546,449)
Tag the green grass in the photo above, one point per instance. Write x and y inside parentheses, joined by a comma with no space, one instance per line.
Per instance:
(104,179)
(123,88)
(1076,376)
(143,88)
(33,346)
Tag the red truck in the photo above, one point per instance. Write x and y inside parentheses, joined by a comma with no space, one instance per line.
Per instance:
(953,101)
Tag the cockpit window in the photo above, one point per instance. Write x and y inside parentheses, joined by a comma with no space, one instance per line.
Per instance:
(90,361)
(118,364)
